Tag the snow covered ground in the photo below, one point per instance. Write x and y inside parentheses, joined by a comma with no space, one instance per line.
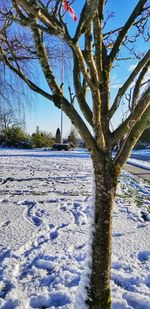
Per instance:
(140,158)
(45,207)
(143,154)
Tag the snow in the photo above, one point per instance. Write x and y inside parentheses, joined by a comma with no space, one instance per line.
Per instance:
(140,158)
(46,206)
(139,163)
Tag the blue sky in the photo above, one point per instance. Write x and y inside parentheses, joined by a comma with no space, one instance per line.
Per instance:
(43,113)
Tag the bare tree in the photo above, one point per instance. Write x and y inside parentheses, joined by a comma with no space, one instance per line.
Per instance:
(72,137)
(31,25)
(8,118)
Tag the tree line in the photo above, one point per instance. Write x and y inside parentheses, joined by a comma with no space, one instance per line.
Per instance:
(13,134)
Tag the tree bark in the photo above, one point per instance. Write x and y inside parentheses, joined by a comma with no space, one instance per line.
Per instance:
(106,182)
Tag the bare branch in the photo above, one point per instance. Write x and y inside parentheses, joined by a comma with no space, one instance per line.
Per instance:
(137,11)
(87,14)
(138,86)
(38,10)
(128,82)
(133,118)
(132,138)
(88,54)
(117,30)
(33,86)
(80,93)
(43,58)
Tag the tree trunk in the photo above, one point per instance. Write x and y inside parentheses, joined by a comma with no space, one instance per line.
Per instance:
(99,296)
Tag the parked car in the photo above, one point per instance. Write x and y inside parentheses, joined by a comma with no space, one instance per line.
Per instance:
(65,147)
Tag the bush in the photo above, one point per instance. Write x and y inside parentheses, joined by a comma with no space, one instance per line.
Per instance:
(42,139)
(15,137)
(144,141)
(145,137)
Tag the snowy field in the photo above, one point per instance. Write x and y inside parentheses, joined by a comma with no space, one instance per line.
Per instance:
(45,207)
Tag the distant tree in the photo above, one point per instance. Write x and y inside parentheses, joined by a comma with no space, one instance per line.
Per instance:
(95,53)
(72,138)
(144,140)
(9,118)
(13,93)
(145,137)
(58,136)
(42,139)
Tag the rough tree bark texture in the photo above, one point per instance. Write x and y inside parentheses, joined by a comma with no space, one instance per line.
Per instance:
(105,189)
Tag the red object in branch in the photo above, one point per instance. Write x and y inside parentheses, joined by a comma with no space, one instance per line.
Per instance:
(68,8)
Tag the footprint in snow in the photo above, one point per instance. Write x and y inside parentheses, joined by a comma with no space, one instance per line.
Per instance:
(117,234)
(71,280)
(5,287)
(127,283)
(4,254)
(116,265)
(144,256)
(54,233)
(80,247)
(36,220)
(8,304)
(145,216)
(32,213)
(5,223)
(45,264)
(56,299)
(147,281)
(141,225)
(79,257)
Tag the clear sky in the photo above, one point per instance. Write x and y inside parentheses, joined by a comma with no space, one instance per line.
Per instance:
(43,113)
